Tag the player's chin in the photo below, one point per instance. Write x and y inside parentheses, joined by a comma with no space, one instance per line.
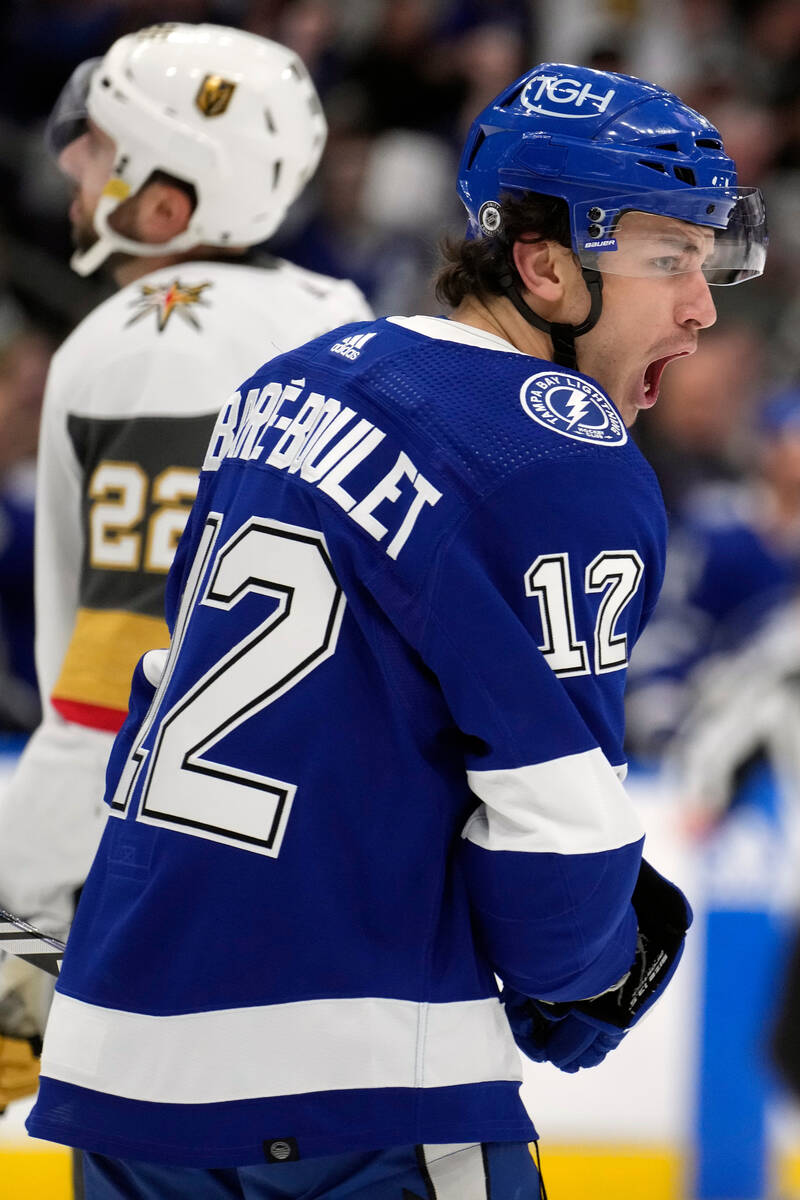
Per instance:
(631,404)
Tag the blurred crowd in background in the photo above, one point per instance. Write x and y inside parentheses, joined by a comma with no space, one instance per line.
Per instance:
(401,81)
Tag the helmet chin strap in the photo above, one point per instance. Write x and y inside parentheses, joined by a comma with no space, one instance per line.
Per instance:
(85,262)
(562,336)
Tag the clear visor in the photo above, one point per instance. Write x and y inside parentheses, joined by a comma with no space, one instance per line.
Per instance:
(68,119)
(653,234)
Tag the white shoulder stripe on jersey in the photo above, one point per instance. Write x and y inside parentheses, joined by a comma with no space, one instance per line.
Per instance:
(570,805)
(278,1050)
(445,330)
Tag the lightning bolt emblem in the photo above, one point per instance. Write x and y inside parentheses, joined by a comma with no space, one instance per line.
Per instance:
(563,404)
(577,407)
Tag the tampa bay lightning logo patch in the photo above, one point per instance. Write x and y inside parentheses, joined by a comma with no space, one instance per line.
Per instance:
(573,407)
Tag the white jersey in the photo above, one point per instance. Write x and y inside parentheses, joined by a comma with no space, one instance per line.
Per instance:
(130,402)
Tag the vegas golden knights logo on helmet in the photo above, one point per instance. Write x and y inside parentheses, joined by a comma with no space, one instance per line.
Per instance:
(214,95)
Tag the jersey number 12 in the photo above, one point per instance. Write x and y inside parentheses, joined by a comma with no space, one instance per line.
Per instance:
(617,574)
(186,787)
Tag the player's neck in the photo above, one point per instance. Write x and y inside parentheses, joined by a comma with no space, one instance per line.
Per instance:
(496,314)
(127,268)
(132,267)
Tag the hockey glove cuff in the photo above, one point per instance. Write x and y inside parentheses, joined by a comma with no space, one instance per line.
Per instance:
(581,1033)
(565,1038)
(24,1001)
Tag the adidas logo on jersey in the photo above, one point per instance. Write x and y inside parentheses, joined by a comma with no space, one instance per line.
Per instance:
(351,347)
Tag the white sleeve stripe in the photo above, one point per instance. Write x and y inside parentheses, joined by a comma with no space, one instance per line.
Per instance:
(570,805)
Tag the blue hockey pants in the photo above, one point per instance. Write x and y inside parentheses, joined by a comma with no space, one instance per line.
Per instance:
(492,1171)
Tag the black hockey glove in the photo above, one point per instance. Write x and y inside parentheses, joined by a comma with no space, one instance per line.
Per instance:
(581,1033)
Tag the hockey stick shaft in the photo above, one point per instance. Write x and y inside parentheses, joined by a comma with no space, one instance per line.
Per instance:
(24,940)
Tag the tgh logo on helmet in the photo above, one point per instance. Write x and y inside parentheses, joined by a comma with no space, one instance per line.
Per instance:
(559,96)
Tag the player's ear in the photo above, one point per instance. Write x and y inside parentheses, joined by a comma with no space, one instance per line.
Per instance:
(163,211)
(545,269)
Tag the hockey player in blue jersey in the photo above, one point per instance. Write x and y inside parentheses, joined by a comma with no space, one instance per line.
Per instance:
(381,764)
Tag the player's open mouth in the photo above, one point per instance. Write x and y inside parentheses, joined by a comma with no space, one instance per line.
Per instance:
(652,376)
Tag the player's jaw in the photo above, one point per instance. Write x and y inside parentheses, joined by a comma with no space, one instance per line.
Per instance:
(84,234)
(645,324)
(634,385)
(86,162)
(627,363)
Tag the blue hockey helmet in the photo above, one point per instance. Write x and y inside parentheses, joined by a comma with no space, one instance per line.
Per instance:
(608,144)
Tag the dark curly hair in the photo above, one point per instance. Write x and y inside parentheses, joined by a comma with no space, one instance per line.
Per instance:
(477,266)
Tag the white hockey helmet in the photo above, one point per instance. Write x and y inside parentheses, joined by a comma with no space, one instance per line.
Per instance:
(232,114)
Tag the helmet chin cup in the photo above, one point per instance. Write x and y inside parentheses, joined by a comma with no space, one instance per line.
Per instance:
(85,262)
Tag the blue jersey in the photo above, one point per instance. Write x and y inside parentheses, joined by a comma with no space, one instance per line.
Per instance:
(380,765)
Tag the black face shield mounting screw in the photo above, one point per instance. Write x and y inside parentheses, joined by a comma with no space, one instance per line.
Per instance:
(594,231)
(595,214)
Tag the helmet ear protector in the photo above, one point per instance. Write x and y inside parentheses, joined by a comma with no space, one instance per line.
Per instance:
(623,154)
(233,115)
